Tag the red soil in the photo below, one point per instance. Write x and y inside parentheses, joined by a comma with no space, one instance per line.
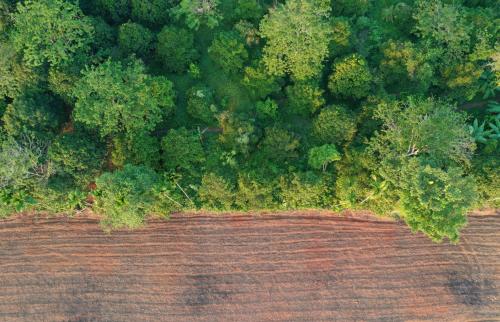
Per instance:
(293,267)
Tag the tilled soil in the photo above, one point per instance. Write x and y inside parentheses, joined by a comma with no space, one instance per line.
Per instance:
(284,267)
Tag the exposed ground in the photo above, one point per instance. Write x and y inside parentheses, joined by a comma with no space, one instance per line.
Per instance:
(293,267)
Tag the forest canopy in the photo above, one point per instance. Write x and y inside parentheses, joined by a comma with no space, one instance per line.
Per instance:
(137,108)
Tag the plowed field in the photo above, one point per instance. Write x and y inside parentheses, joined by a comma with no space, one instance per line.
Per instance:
(290,267)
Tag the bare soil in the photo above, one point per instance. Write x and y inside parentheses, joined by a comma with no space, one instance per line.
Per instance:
(283,267)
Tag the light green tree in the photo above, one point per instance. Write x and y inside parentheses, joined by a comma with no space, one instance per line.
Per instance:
(297,36)
(321,156)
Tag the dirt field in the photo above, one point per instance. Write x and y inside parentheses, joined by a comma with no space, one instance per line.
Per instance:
(293,267)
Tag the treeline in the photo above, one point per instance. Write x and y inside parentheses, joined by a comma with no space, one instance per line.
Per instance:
(145,107)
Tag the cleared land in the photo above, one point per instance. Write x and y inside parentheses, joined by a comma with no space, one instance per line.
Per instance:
(293,267)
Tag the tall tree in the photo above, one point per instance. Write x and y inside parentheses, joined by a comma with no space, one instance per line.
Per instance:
(297,36)
(117,98)
(50,31)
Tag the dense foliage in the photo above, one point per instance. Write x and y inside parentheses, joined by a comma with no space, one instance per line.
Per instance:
(144,107)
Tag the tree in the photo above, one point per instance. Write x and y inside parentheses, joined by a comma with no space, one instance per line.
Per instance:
(297,36)
(405,68)
(350,7)
(435,201)
(198,12)
(253,194)
(334,125)
(34,114)
(257,81)
(16,76)
(228,52)
(182,150)
(115,10)
(201,105)
(141,149)
(134,38)
(442,27)
(279,145)
(351,77)
(22,162)
(321,156)
(421,152)
(78,154)
(125,197)
(117,98)
(22,167)
(428,129)
(304,98)
(304,190)
(175,48)
(50,31)
(216,193)
(151,12)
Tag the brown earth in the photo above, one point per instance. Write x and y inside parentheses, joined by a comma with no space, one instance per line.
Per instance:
(290,267)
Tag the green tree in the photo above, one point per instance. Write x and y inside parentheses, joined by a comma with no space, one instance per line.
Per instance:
(115,10)
(182,150)
(175,48)
(442,27)
(405,68)
(50,31)
(228,52)
(201,104)
(305,98)
(435,201)
(350,7)
(428,129)
(151,12)
(125,197)
(198,12)
(334,125)
(16,76)
(140,149)
(253,194)
(321,156)
(258,82)
(117,98)
(297,36)
(135,39)
(34,114)
(78,154)
(216,193)
(279,145)
(351,77)
(304,190)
